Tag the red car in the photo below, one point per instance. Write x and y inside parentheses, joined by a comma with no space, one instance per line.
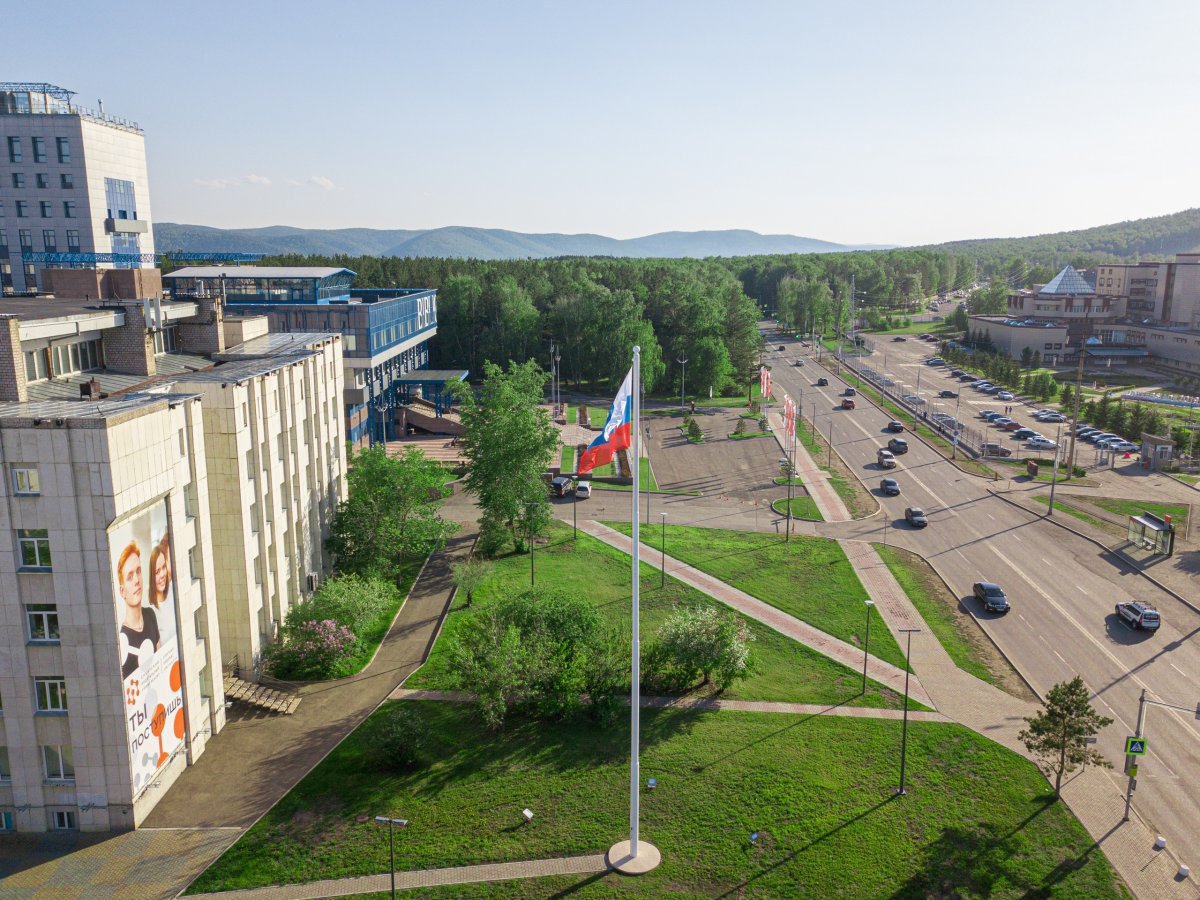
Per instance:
(847,403)
(1011,426)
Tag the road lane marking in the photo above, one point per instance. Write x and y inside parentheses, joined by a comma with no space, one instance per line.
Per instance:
(1177,669)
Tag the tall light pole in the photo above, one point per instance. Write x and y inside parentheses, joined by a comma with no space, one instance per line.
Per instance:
(647,465)
(867,639)
(682,360)
(1054,471)
(662,582)
(954,439)
(557,381)
(529,514)
(391,824)
(904,739)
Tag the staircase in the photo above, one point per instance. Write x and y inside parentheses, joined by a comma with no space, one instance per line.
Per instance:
(260,695)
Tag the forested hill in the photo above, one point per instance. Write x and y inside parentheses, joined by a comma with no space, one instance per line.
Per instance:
(480,243)
(1160,237)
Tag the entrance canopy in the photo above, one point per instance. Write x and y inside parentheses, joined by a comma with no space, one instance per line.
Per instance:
(430,383)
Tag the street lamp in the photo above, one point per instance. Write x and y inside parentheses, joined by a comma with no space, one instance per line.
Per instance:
(529,515)
(682,360)
(391,824)
(867,640)
(904,739)
(574,507)
(662,582)
(1054,470)
(647,457)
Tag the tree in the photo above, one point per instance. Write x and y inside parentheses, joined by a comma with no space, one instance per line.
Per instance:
(469,575)
(1026,357)
(508,441)
(1059,734)
(390,512)
(704,641)
(1067,398)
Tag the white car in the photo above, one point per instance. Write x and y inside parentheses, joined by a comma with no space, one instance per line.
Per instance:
(1126,447)
(1041,443)
(583,490)
(1004,395)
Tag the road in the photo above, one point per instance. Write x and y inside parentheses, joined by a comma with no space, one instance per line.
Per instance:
(1062,589)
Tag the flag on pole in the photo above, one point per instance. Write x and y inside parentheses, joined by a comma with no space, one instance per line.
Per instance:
(616,434)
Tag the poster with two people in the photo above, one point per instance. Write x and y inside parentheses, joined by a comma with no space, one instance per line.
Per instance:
(144,576)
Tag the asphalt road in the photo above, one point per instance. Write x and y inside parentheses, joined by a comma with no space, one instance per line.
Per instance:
(1062,589)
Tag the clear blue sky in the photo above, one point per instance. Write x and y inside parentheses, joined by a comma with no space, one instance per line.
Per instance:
(852,122)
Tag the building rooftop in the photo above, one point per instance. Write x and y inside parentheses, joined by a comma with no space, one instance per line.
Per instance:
(256,272)
(59,412)
(241,370)
(1068,281)
(275,343)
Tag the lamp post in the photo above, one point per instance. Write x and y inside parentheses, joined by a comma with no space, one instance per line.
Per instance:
(904,739)
(954,439)
(391,824)
(662,581)
(867,640)
(574,512)
(529,514)
(647,459)
(682,360)
(1054,471)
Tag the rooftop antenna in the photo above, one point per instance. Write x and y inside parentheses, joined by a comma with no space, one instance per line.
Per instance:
(100,104)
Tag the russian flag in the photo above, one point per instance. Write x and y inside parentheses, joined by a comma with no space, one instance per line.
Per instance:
(617,430)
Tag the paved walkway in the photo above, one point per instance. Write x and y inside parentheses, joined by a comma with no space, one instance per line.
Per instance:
(815,479)
(848,655)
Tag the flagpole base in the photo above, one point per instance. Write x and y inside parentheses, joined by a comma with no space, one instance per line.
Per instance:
(621,860)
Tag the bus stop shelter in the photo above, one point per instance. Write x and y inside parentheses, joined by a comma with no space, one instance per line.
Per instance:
(1152,533)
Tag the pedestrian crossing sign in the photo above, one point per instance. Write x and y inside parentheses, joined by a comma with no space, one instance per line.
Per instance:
(1135,746)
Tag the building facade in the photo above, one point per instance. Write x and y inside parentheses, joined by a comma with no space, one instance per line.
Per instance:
(73,187)
(1012,337)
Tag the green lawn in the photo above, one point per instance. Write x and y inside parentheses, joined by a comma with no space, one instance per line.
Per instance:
(1072,511)
(977,821)
(646,475)
(1186,479)
(802,508)
(597,415)
(785,670)
(1177,511)
(855,496)
(808,577)
(746,435)
(371,637)
(566,459)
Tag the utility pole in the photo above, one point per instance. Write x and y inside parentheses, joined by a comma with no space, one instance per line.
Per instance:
(904,738)
(1076,398)
(1054,471)
(682,360)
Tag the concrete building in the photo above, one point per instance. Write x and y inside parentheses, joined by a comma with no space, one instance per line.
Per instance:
(1012,337)
(168,481)
(73,187)
(385,333)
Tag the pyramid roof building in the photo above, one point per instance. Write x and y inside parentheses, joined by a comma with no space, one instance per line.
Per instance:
(1068,281)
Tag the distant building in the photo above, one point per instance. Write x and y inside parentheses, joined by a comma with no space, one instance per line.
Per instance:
(1011,337)
(73,187)
(385,333)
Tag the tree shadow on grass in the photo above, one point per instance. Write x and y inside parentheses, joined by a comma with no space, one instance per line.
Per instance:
(766,737)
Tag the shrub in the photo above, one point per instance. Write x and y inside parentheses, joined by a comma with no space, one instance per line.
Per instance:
(740,427)
(351,600)
(704,641)
(397,740)
(469,575)
(694,431)
(310,649)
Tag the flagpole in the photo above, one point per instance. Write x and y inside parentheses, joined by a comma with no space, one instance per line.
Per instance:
(635,857)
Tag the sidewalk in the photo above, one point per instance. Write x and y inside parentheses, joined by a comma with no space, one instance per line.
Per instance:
(815,479)
(848,655)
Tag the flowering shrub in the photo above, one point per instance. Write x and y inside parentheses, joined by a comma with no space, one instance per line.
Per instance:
(310,649)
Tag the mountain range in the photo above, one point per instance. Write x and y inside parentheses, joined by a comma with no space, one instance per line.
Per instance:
(480,243)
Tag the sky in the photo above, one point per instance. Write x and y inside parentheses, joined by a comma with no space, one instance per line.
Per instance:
(854,122)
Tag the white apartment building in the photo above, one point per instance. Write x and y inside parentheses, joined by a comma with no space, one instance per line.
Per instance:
(73,187)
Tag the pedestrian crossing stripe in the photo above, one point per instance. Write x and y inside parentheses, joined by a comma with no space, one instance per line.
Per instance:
(1135,746)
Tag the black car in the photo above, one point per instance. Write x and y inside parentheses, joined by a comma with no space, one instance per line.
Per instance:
(890,487)
(991,596)
(896,426)
(898,338)
(948,394)
(822,382)
(561,486)
(915,516)
(898,445)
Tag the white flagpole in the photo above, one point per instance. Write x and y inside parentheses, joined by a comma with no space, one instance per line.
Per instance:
(635,698)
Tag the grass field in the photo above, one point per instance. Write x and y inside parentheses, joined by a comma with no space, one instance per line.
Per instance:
(646,476)
(785,670)
(802,508)
(1077,513)
(809,578)
(567,459)
(977,821)
(1177,511)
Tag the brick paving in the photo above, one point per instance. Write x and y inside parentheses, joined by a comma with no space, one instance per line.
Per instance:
(816,479)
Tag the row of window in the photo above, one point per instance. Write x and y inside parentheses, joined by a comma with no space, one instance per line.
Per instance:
(49,239)
(38,146)
(64,359)
(57,763)
(66,181)
(70,209)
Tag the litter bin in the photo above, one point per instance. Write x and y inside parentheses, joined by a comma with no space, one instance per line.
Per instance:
(1031,468)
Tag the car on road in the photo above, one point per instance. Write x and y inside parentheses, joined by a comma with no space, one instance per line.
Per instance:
(926,337)
(895,425)
(915,516)
(849,392)
(847,403)
(1024,434)
(991,596)
(950,395)
(889,487)
(898,338)
(885,458)
(822,382)
(798,362)
(561,486)
(1041,443)
(898,446)
(782,347)
(1004,395)
(1141,616)
(583,490)
(992,449)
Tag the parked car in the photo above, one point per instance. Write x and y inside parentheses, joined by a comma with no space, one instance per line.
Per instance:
(1001,421)
(885,458)
(980,384)
(847,403)
(989,415)
(898,338)
(1127,447)
(1004,395)
(915,516)
(992,449)
(991,389)
(1082,426)
(1082,433)
(943,418)
(898,446)
(1141,616)
(1041,443)
(951,395)
(583,490)
(957,373)
(1024,434)
(889,487)
(822,382)
(1011,426)
(561,486)
(991,596)
(1099,436)
(913,400)
(935,361)
(895,425)
(966,377)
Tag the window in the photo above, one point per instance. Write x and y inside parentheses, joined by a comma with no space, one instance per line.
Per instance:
(6,820)
(166,340)
(36,366)
(45,208)
(64,820)
(25,478)
(69,209)
(80,357)
(5,768)
(43,621)
(49,238)
(64,149)
(43,180)
(18,179)
(35,548)
(72,241)
(66,182)
(192,570)
(189,499)
(26,235)
(22,209)
(50,694)
(14,149)
(39,149)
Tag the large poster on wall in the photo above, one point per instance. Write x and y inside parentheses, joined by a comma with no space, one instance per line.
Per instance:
(144,576)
